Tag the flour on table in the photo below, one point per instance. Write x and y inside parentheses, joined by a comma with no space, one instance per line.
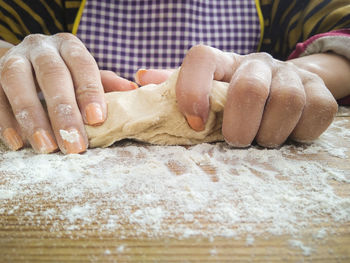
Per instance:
(298,244)
(207,190)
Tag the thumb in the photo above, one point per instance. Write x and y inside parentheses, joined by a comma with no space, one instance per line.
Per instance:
(152,76)
(201,65)
(112,82)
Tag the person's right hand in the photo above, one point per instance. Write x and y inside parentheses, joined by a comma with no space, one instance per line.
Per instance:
(65,72)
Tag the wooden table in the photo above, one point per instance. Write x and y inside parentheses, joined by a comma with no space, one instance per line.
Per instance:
(29,235)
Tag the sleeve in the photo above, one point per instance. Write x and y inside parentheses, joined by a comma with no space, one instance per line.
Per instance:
(303,27)
(315,22)
(19,18)
(337,41)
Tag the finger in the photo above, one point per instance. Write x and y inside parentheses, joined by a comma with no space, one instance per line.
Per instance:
(56,84)
(18,84)
(201,65)
(283,108)
(246,98)
(8,126)
(319,110)
(86,79)
(112,82)
(152,76)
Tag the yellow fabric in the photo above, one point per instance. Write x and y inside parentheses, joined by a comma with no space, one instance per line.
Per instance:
(261,19)
(52,15)
(290,22)
(34,15)
(19,18)
(77,19)
(16,27)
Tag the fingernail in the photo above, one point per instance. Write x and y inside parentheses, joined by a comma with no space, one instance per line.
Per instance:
(13,140)
(43,142)
(133,85)
(139,75)
(72,140)
(195,122)
(94,114)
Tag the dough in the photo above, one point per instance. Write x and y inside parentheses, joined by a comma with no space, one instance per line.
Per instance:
(150,114)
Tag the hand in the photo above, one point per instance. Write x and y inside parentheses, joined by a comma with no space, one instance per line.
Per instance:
(68,76)
(267,100)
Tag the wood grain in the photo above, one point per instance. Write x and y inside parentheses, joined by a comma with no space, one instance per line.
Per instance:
(22,241)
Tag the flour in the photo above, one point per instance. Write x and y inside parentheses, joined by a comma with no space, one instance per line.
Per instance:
(207,190)
(320,233)
(24,120)
(213,252)
(64,109)
(121,249)
(298,244)
(70,136)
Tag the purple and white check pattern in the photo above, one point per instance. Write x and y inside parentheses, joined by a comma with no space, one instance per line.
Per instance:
(126,35)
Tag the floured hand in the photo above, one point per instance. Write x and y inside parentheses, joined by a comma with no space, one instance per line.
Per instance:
(268,100)
(65,72)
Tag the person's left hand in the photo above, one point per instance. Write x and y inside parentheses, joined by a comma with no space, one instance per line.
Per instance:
(268,100)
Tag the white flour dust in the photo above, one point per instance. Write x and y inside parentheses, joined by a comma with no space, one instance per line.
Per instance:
(70,136)
(207,190)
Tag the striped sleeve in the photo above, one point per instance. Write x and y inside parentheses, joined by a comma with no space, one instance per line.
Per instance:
(288,23)
(19,18)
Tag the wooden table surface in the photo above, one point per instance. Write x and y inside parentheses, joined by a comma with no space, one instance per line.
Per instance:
(26,238)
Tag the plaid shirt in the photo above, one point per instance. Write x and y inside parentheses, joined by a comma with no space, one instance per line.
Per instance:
(127,35)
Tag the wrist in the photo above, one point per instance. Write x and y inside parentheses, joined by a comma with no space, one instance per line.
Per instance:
(333,69)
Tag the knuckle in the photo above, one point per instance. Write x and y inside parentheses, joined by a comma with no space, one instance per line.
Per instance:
(24,115)
(74,52)
(12,67)
(49,64)
(88,91)
(65,36)
(310,78)
(264,56)
(199,48)
(323,107)
(199,51)
(252,87)
(23,109)
(78,53)
(290,97)
(261,56)
(287,89)
(34,39)
(52,71)
(318,114)
(63,110)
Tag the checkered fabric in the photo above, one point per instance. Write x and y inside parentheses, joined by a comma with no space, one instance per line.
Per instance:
(126,35)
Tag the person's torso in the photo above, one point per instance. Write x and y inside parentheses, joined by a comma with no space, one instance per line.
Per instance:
(127,35)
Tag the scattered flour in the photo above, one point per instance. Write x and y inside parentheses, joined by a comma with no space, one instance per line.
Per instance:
(6,194)
(249,240)
(64,109)
(24,119)
(121,248)
(320,233)
(207,190)
(298,244)
(70,136)
(213,252)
